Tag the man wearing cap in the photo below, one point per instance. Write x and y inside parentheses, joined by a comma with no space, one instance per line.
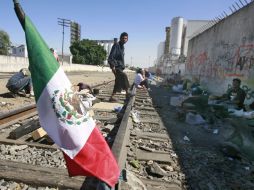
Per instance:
(236,95)
(20,81)
(116,62)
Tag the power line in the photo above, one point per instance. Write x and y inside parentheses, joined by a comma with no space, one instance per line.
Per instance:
(64,23)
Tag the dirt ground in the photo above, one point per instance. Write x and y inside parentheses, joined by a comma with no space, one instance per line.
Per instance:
(199,150)
(8,103)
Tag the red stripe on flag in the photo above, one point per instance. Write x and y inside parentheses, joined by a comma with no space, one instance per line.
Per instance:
(94,159)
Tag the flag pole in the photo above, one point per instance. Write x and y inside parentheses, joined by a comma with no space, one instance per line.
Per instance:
(19,12)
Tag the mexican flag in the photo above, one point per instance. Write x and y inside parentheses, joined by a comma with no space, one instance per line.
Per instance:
(63,116)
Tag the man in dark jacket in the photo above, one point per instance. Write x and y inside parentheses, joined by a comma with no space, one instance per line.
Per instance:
(116,62)
(236,94)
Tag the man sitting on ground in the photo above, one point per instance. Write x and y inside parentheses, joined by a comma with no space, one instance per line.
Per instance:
(140,82)
(20,81)
(236,95)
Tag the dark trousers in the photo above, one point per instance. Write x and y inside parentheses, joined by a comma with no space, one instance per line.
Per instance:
(121,81)
(144,83)
(23,84)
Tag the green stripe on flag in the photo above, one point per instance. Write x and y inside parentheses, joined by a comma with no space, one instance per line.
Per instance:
(42,63)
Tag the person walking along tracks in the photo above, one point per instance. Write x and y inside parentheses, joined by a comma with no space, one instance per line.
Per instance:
(116,62)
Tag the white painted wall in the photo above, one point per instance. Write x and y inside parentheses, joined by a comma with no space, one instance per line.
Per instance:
(14,64)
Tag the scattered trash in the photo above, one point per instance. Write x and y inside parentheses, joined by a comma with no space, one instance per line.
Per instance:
(146,148)
(247,168)
(234,112)
(194,119)
(6,104)
(186,138)
(118,109)
(3,103)
(135,116)
(177,101)
(177,88)
(248,115)
(168,168)
(150,162)
(156,170)
(135,163)
(215,131)
(241,113)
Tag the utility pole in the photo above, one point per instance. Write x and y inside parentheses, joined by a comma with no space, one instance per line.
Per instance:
(65,23)
(131,61)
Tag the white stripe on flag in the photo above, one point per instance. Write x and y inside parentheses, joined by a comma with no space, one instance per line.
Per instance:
(69,137)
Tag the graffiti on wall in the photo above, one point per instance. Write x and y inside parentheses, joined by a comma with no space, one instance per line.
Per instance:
(224,60)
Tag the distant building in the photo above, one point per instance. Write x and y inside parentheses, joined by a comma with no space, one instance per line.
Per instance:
(107,45)
(176,43)
(75,32)
(19,51)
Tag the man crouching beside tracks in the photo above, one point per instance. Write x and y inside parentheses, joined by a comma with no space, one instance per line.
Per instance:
(116,62)
(20,81)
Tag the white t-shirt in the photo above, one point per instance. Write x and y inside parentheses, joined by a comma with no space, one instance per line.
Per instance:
(138,79)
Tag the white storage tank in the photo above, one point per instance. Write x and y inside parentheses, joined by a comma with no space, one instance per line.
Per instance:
(176,36)
(106,47)
(109,47)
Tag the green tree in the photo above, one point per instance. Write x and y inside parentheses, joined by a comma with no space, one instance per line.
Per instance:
(87,52)
(4,43)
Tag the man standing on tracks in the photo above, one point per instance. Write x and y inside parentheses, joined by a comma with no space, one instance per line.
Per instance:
(116,62)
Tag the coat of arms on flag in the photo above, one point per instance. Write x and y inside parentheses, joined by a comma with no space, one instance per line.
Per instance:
(62,115)
(68,107)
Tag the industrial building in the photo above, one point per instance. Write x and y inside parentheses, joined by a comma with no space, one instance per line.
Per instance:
(107,45)
(172,53)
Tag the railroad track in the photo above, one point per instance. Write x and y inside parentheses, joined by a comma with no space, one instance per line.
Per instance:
(136,135)
(17,145)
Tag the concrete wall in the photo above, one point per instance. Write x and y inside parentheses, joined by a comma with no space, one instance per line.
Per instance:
(14,64)
(191,27)
(224,52)
(66,59)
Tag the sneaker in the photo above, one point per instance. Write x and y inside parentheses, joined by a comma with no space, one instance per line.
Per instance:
(123,92)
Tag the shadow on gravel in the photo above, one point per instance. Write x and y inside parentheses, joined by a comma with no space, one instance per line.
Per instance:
(7,95)
(200,163)
(12,95)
